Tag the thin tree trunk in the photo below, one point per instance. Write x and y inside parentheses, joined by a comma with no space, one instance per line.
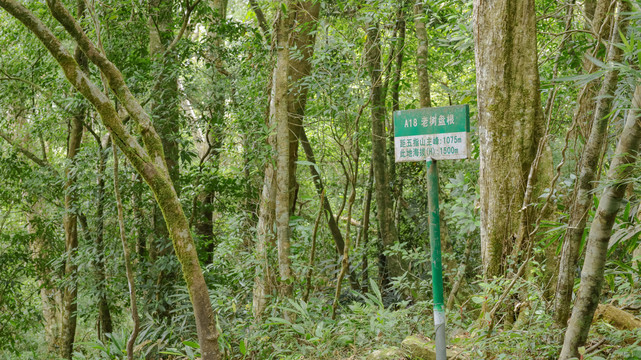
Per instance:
(128,267)
(422,59)
(138,217)
(148,160)
(320,190)
(460,274)
(352,155)
(397,184)
(312,252)
(364,235)
(601,231)
(104,315)
(592,151)
(70,291)
(381,177)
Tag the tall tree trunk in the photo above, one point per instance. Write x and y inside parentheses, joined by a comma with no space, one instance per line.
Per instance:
(399,52)
(149,160)
(601,231)
(265,236)
(105,325)
(70,291)
(305,20)
(588,170)
(422,52)
(281,118)
(510,119)
(381,177)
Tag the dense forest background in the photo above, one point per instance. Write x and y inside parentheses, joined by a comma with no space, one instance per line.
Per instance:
(216,179)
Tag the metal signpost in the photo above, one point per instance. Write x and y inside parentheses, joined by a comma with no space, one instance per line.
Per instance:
(428,135)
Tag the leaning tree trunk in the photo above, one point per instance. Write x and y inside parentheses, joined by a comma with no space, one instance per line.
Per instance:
(379,160)
(510,119)
(149,160)
(601,231)
(592,151)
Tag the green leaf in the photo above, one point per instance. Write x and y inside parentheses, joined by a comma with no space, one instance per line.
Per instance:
(242,347)
(171,353)
(191,344)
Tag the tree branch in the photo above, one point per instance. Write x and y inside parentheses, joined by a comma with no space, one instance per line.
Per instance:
(31,156)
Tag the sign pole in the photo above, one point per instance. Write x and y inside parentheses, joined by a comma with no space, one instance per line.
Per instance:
(441,133)
(437,269)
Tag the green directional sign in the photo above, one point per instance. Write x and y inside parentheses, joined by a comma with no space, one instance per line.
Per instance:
(438,133)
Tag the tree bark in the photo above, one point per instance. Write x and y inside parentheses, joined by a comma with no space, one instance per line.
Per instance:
(281,118)
(588,170)
(104,315)
(149,160)
(422,55)
(601,230)
(70,220)
(510,119)
(379,160)
(305,21)
(364,231)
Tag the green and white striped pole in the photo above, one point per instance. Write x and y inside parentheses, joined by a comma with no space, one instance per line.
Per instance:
(437,269)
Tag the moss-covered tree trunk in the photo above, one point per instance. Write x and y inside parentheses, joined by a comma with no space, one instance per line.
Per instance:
(589,293)
(148,160)
(510,119)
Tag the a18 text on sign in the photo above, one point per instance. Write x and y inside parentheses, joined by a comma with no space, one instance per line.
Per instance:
(438,133)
